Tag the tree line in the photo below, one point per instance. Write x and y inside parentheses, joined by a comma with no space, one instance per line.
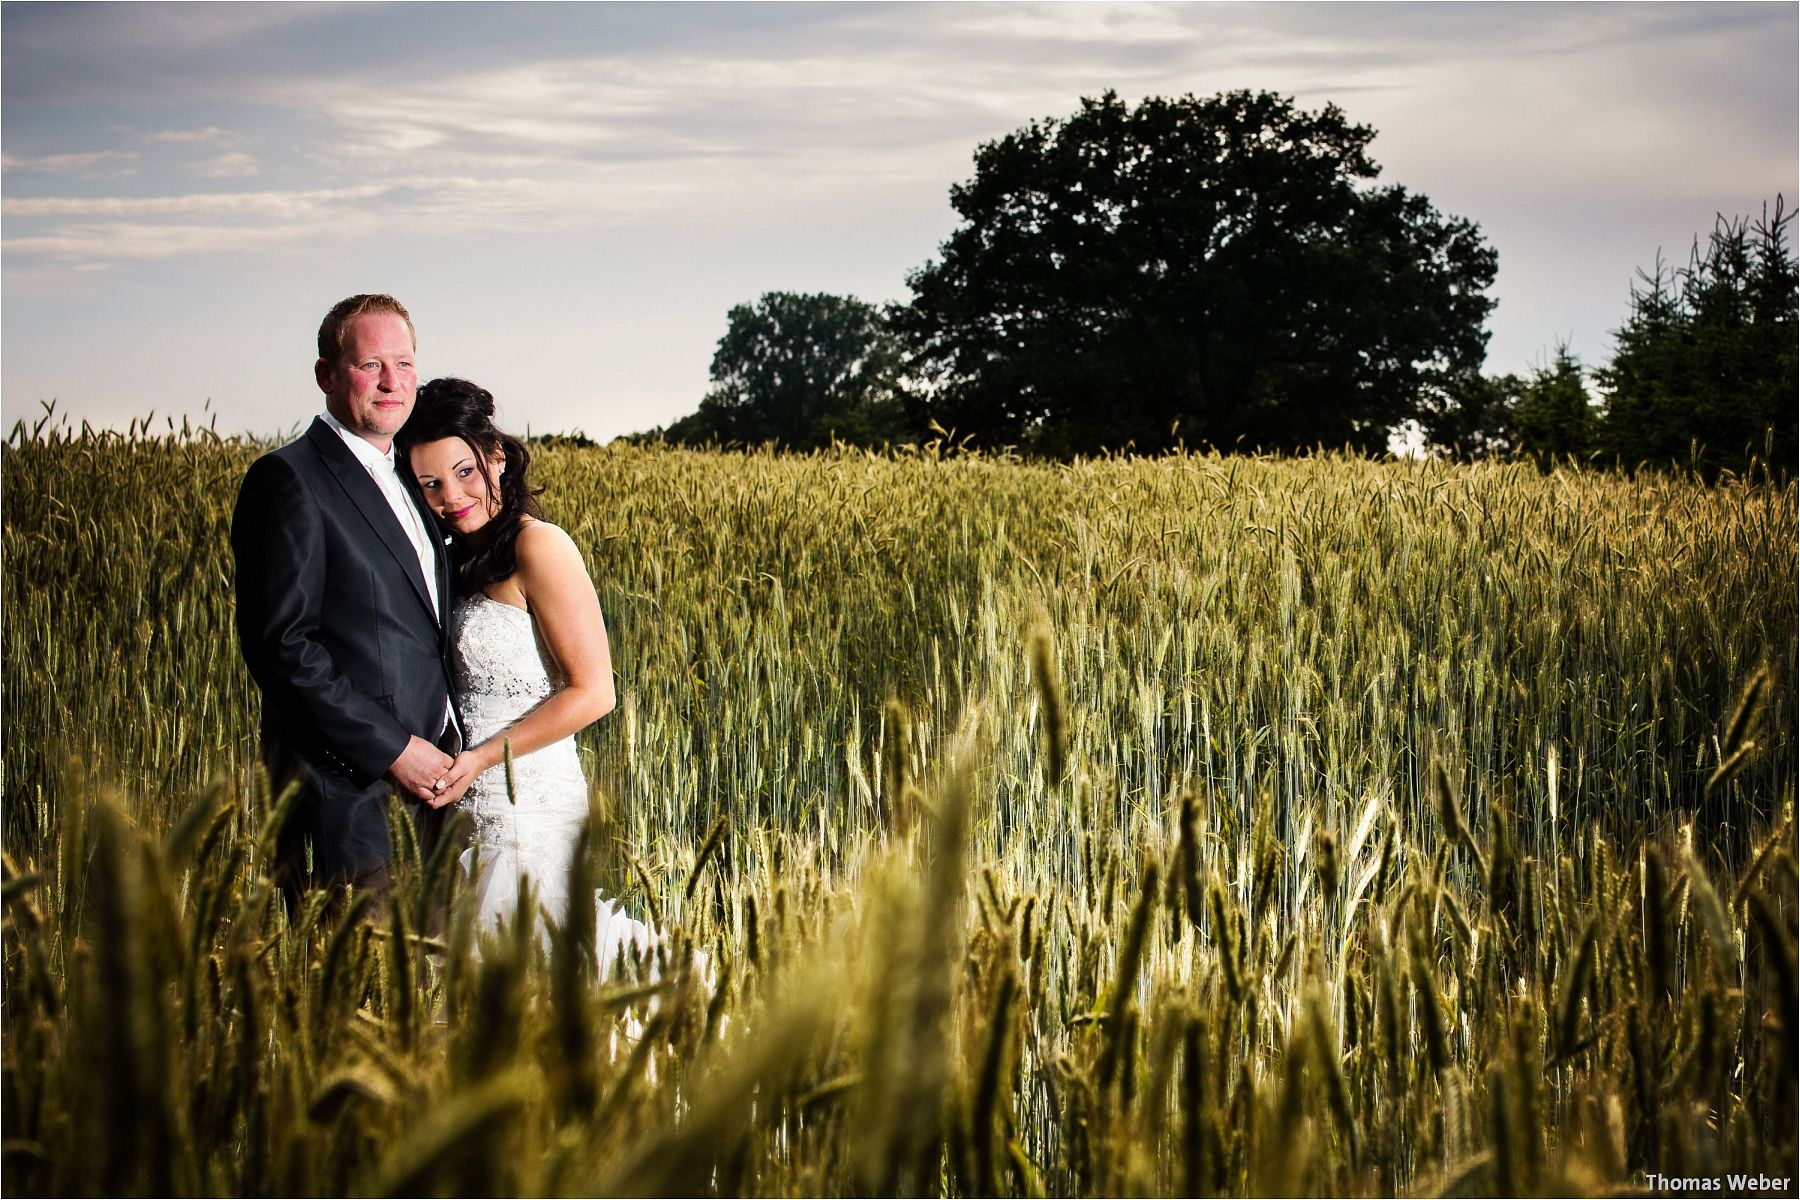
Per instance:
(1227,273)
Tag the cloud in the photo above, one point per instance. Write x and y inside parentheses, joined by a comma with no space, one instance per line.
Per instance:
(1083,24)
(879,81)
(87,230)
(267,205)
(485,122)
(114,162)
(100,244)
(212,133)
(226,166)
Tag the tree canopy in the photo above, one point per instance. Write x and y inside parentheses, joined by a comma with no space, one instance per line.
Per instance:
(1552,415)
(1704,371)
(798,370)
(1210,271)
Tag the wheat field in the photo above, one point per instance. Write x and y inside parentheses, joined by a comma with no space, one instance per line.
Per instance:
(1198,825)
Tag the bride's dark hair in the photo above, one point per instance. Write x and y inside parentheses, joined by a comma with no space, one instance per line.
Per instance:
(456,408)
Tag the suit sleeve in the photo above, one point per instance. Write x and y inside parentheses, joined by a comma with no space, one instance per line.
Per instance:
(278,541)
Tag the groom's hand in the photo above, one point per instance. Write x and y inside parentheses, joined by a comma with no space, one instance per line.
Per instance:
(419,768)
(468,765)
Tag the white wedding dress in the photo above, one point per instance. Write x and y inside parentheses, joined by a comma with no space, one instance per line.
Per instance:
(502,671)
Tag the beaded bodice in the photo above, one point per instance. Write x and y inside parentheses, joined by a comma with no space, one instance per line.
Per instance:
(501,668)
(502,671)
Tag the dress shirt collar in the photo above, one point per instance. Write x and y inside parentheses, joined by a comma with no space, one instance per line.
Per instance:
(366,454)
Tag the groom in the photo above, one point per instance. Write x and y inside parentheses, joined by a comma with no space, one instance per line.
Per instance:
(342,600)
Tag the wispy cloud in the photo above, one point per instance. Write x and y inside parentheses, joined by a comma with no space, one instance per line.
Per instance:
(1083,24)
(212,133)
(94,231)
(89,230)
(233,165)
(267,205)
(92,163)
(610,109)
(101,244)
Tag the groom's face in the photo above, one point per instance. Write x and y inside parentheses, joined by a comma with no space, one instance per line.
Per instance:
(371,386)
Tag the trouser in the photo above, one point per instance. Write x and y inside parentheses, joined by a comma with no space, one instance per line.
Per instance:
(336,833)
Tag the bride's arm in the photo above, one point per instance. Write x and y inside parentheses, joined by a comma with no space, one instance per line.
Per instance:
(560,597)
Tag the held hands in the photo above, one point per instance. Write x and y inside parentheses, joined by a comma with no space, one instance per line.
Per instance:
(419,767)
(456,779)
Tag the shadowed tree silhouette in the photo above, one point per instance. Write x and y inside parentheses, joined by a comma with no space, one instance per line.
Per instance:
(1705,366)
(1213,271)
(798,371)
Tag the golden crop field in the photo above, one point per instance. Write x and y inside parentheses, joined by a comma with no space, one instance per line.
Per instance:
(1181,826)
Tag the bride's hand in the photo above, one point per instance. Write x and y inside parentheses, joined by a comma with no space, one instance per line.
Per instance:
(463,771)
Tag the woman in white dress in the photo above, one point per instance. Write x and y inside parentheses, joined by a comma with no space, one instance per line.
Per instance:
(529,655)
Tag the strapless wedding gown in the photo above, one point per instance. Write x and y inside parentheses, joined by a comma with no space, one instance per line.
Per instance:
(502,671)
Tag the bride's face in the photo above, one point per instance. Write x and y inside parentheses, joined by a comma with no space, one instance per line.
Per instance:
(456,488)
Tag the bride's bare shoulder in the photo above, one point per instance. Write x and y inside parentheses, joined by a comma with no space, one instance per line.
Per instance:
(541,545)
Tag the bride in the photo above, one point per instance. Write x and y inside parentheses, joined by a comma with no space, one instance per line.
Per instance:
(530,661)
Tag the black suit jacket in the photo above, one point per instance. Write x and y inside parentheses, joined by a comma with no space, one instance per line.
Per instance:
(338,630)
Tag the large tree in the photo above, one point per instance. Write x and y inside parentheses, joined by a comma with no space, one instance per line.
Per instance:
(1216,271)
(798,371)
(1704,371)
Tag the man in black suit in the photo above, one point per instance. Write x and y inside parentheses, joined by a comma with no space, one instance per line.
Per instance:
(343,596)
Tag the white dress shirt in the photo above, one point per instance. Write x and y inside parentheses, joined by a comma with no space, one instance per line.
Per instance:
(382,470)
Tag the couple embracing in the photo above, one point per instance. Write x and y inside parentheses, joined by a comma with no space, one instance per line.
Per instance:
(408,615)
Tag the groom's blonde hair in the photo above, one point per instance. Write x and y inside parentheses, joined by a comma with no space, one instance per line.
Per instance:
(331,330)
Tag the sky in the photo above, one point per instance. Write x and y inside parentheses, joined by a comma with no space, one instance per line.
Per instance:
(570,197)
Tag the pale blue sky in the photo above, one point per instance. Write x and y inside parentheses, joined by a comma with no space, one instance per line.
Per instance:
(569,197)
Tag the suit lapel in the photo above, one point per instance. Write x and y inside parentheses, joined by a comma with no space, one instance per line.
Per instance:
(440,552)
(367,499)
